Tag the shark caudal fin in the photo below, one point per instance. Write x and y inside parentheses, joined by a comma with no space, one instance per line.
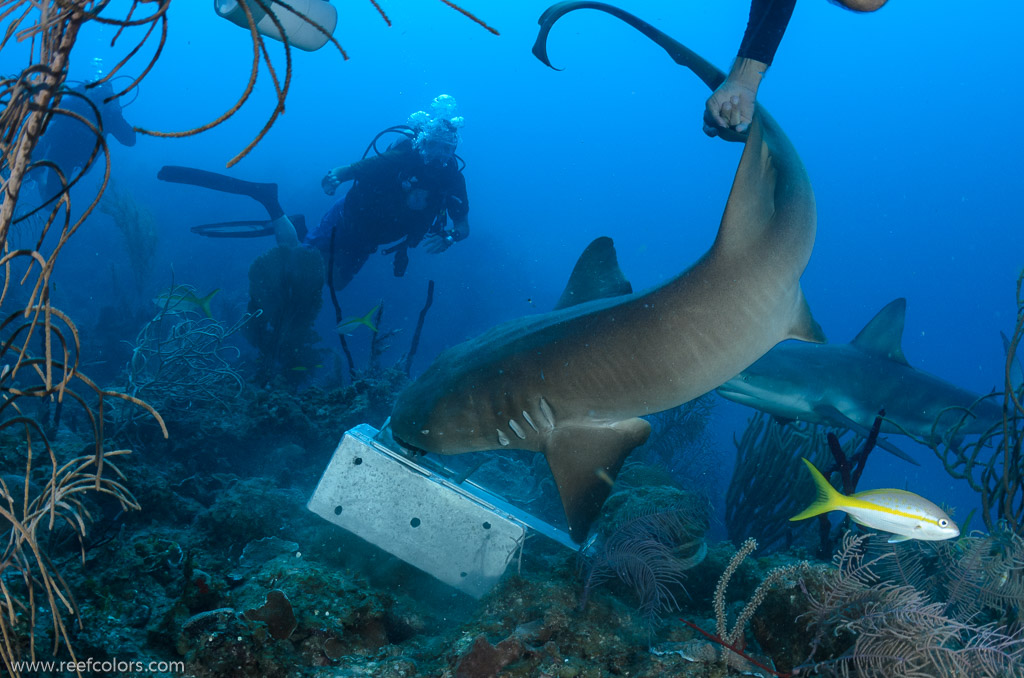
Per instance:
(596,276)
(584,461)
(828,499)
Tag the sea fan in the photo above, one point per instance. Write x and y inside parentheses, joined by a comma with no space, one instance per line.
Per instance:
(897,633)
(649,550)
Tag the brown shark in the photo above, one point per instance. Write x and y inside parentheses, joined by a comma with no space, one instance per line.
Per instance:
(574,382)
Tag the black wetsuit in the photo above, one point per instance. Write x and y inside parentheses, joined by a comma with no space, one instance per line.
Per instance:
(767,25)
(377,209)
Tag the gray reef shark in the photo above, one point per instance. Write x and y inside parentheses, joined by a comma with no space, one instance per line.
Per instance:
(573,383)
(846,385)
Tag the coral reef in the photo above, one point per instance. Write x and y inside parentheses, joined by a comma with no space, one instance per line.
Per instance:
(286,284)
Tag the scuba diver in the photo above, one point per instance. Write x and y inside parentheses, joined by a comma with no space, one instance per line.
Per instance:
(402,196)
(68,142)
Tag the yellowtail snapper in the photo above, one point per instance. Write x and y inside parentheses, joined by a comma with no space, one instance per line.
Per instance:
(904,514)
(345,326)
(183,294)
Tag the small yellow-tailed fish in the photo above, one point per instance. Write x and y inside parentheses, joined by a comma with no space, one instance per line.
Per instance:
(179,296)
(904,514)
(345,325)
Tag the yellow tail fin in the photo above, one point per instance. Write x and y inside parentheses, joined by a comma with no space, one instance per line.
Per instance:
(204,303)
(828,499)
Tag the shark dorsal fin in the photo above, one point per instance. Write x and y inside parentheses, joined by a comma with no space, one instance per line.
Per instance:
(596,276)
(883,335)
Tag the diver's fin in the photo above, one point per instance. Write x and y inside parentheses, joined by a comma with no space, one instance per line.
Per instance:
(828,499)
(883,335)
(248,228)
(584,461)
(596,276)
(264,194)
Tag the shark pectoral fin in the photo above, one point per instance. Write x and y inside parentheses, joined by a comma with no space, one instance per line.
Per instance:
(806,327)
(584,460)
(837,418)
(895,451)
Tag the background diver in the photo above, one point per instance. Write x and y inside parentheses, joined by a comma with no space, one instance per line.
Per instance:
(68,142)
(404,195)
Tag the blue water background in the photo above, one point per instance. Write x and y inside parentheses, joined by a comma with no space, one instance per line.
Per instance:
(907,120)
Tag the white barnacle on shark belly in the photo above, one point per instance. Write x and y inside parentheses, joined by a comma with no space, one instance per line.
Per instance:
(529,420)
(502,438)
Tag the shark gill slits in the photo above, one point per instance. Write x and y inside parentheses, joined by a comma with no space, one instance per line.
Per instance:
(549,416)
(517,429)
(529,420)
(502,438)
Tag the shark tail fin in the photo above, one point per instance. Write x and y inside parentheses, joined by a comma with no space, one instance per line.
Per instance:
(204,303)
(584,461)
(828,499)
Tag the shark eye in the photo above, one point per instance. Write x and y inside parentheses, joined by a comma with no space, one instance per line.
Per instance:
(943,522)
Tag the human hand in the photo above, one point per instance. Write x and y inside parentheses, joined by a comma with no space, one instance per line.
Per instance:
(331,181)
(434,243)
(731,106)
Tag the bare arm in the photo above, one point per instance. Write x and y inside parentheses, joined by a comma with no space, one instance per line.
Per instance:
(732,104)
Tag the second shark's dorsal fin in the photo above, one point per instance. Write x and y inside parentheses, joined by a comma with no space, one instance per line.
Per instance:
(596,276)
(883,335)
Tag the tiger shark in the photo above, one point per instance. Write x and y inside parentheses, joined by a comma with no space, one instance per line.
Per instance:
(573,383)
(846,385)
